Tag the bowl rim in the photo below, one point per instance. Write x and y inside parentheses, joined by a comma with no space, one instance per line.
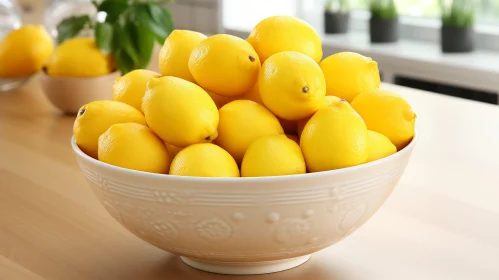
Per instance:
(283,178)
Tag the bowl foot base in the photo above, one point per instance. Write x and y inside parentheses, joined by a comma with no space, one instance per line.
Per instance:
(246,268)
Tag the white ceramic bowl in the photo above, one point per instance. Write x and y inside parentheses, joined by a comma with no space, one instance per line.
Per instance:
(244,225)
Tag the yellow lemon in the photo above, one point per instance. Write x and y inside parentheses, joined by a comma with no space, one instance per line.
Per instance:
(96,117)
(379,146)
(225,65)
(349,74)
(335,137)
(273,155)
(387,113)
(285,33)
(131,87)
(24,51)
(327,101)
(175,53)
(180,112)
(292,85)
(241,123)
(134,146)
(204,160)
(79,57)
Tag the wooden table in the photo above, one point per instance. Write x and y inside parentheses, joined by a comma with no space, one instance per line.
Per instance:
(442,222)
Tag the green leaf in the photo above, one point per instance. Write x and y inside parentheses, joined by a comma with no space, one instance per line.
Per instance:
(104,37)
(145,44)
(123,62)
(72,26)
(130,30)
(124,41)
(128,41)
(170,25)
(162,16)
(160,30)
(384,9)
(116,37)
(113,9)
(459,13)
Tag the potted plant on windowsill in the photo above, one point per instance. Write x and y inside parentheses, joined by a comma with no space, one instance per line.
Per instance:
(336,16)
(383,24)
(456,34)
(83,68)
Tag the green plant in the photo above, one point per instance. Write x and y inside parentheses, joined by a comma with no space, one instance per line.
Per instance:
(337,6)
(458,13)
(128,32)
(383,9)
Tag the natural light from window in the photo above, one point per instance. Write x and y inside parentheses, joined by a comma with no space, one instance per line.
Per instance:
(487,10)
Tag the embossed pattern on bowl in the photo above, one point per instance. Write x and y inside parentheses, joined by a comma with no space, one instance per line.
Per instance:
(244,219)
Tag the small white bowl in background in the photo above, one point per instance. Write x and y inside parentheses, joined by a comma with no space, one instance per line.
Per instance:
(68,94)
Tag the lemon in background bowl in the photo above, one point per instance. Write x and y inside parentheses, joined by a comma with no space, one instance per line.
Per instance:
(24,51)
(77,73)
(79,57)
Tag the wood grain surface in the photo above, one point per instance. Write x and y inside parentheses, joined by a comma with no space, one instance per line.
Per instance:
(442,221)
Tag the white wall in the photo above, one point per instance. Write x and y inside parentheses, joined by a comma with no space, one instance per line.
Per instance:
(198,15)
(254,11)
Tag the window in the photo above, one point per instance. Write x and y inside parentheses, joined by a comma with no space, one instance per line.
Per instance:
(420,19)
(487,12)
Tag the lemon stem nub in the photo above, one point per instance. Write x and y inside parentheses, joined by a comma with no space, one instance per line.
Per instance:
(208,138)
(82,111)
(305,89)
(343,99)
(251,58)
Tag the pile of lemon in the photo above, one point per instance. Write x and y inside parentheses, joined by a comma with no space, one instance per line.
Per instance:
(265,106)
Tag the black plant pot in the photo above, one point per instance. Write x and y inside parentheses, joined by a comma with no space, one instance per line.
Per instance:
(383,30)
(336,23)
(456,39)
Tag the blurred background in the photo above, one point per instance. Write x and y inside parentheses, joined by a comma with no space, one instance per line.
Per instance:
(444,46)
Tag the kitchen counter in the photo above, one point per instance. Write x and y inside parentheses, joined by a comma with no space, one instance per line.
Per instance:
(441,222)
